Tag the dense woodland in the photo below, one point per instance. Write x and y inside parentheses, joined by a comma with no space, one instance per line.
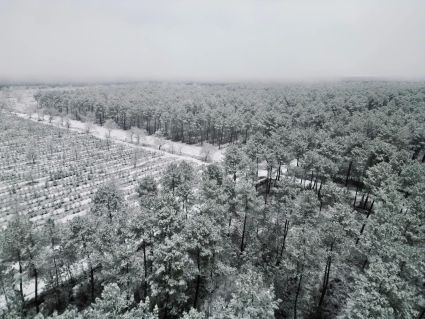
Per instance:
(335,229)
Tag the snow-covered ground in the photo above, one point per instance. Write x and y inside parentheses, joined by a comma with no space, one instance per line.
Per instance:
(22,101)
(178,149)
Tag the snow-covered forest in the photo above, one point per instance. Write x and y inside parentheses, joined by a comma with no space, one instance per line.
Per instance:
(297,200)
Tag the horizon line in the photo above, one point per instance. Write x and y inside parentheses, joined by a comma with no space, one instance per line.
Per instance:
(60,82)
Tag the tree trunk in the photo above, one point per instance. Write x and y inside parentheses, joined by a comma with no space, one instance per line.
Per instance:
(127,271)
(355,197)
(244,224)
(166,309)
(366,200)
(348,173)
(243,232)
(282,248)
(68,269)
(269,180)
(325,284)
(297,295)
(311,180)
(230,222)
(370,208)
(21,289)
(320,189)
(37,307)
(92,282)
(198,279)
(364,264)
(145,266)
(362,200)
(221,135)
(277,178)
(364,224)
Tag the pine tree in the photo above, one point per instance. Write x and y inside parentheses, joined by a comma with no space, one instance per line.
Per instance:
(250,298)
(107,201)
(203,242)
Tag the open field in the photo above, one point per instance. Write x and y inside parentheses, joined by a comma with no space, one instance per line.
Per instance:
(49,172)
(21,101)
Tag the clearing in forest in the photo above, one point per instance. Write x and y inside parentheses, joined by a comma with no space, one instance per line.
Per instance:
(49,172)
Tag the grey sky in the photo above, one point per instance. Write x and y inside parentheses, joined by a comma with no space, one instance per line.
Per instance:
(211,40)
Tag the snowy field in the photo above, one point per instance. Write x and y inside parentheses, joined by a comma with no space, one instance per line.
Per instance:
(49,172)
(22,102)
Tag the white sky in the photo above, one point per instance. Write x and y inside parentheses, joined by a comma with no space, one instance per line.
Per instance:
(222,40)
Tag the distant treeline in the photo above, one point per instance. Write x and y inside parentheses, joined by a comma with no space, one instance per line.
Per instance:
(351,124)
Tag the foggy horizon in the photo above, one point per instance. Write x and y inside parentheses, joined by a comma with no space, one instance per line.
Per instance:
(238,41)
(212,159)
